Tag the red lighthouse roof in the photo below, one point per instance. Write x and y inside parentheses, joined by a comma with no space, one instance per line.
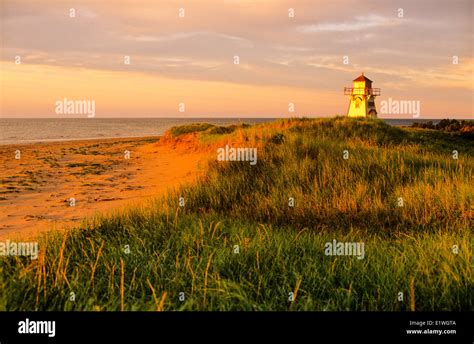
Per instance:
(362,77)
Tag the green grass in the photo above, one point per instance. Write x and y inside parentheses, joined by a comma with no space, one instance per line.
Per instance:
(209,129)
(192,249)
(189,128)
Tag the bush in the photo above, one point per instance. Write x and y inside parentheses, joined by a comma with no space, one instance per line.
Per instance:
(189,128)
(449,125)
(221,130)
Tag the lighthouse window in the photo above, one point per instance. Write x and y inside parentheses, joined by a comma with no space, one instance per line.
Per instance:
(357,103)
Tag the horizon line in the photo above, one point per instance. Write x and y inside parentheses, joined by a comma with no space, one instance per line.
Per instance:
(238,117)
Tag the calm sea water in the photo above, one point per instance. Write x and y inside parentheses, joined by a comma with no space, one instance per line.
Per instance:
(28,130)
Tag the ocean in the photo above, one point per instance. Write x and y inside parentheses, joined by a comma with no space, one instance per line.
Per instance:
(29,130)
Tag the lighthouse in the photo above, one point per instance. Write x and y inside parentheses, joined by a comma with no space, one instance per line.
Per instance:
(362,98)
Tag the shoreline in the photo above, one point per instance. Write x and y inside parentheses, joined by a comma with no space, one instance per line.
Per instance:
(13,136)
(79,140)
(57,184)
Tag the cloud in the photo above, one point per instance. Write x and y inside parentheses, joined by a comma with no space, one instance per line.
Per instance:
(359,23)
(186,35)
(292,49)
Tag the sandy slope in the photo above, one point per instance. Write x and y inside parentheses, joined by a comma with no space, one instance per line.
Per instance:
(35,190)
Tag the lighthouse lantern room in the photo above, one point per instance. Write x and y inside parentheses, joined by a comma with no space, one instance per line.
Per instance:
(362,98)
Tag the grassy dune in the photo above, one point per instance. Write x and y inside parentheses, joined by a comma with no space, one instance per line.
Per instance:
(238,245)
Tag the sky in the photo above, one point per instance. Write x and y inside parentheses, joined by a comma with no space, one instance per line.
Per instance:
(292,55)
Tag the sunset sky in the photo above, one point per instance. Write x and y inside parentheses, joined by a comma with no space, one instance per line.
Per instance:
(190,59)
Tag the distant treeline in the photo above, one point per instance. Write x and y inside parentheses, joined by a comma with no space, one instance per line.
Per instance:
(450,125)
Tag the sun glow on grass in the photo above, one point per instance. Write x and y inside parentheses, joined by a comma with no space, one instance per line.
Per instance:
(175,251)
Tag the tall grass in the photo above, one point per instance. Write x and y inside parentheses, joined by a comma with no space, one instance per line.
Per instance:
(238,245)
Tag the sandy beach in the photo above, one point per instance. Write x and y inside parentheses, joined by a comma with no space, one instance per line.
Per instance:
(37,189)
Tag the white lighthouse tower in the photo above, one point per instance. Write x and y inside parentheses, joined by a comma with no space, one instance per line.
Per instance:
(362,98)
